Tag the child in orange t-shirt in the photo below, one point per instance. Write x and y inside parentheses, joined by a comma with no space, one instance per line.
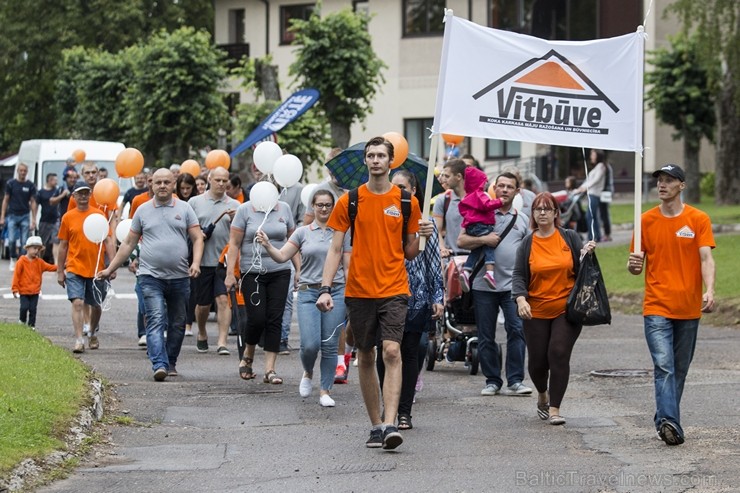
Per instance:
(27,279)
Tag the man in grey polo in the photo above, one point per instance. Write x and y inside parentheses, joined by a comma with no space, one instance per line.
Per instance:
(214,210)
(487,301)
(163,225)
(450,221)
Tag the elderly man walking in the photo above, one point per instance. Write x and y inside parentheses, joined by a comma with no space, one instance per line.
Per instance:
(163,225)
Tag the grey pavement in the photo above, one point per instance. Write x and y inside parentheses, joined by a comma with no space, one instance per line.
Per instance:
(207,430)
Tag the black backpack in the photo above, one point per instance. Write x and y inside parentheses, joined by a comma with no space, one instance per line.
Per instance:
(405,211)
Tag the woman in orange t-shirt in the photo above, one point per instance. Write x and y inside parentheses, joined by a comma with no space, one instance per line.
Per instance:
(544,274)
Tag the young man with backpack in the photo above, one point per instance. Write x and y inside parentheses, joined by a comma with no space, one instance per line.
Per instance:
(377,285)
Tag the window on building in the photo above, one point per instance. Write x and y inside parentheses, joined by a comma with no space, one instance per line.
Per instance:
(236,26)
(288,13)
(502,149)
(553,19)
(423,17)
(361,6)
(416,131)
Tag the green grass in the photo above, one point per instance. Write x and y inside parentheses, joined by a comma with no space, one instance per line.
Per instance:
(613,262)
(41,391)
(721,214)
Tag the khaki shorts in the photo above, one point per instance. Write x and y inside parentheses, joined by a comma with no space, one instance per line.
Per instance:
(374,320)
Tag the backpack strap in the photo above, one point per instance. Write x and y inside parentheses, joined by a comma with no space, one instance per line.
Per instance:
(352,210)
(406,212)
(448,199)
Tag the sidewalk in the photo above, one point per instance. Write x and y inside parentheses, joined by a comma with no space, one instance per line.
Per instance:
(207,430)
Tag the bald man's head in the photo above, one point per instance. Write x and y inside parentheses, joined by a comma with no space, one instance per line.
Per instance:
(163,185)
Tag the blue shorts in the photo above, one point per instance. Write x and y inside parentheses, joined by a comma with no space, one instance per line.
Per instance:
(85,288)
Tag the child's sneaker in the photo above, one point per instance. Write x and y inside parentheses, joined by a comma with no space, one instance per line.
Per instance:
(488,277)
(465,281)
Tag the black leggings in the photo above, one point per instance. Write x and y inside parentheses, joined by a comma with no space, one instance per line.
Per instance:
(549,344)
(265,296)
(29,302)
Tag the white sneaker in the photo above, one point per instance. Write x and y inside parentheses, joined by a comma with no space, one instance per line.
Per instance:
(518,389)
(142,342)
(326,401)
(86,330)
(11,267)
(305,387)
(490,389)
(189,332)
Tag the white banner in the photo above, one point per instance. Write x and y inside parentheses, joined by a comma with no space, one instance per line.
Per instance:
(502,85)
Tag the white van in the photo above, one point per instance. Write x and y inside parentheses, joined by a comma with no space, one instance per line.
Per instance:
(44,156)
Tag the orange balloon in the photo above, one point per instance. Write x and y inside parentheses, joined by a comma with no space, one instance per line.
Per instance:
(400,148)
(78,155)
(129,163)
(106,192)
(451,139)
(190,167)
(218,159)
(492,190)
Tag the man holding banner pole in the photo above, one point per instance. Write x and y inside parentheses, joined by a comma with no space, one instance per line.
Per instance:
(675,250)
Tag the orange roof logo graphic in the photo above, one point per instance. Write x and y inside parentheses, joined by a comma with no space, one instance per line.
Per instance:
(550,74)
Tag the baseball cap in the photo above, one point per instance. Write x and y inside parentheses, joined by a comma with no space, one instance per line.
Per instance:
(671,169)
(80,185)
(33,241)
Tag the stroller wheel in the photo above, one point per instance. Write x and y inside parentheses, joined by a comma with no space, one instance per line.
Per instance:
(474,359)
(431,353)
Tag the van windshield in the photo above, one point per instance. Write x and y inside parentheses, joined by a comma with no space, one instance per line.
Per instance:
(58,168)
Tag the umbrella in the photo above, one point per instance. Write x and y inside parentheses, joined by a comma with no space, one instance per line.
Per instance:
(348,167)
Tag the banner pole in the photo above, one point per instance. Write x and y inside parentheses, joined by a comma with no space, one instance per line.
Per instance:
(637,230)
(429,184)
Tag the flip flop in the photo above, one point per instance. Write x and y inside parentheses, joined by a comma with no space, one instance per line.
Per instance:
(543,411)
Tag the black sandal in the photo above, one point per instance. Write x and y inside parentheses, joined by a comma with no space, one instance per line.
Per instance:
(404,422)
(245,370)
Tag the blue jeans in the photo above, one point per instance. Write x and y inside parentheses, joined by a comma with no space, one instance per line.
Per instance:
(140,325)
(488,252)
(165,301)
(592,214)
(320,331)
(17,225)
(288,313)
(671,343)
(486,305)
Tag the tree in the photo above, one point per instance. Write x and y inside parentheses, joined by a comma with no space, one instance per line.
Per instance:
(334,55)
(174,103)
(681,94)
(717,27)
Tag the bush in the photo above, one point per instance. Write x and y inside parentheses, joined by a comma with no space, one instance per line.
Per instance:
(707,184)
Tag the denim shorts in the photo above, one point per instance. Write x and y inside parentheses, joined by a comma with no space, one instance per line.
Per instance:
(85,288)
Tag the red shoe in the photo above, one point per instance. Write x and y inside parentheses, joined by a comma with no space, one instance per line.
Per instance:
(347,359)
(341,374)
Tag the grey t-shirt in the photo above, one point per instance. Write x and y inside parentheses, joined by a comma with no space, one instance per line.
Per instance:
(292,197)
(453,221)
(207,209)
(313,243)
(279,222)
(505,251)
(164,238)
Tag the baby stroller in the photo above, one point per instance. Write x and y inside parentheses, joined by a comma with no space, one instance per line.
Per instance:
(458,322)
(571,212)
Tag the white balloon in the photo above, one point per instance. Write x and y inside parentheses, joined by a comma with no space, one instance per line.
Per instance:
(517,203)
(95,228)
(265,155)
(264,196)
(307,193)
(288,170)
(122,229)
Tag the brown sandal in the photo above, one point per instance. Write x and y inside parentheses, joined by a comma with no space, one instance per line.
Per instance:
(245,370)
(272,378)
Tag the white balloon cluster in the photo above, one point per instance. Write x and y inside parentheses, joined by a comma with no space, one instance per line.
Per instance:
(287,170)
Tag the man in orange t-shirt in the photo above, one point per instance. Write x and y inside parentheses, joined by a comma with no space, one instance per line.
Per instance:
(79,260)
(676,244)
(377,288)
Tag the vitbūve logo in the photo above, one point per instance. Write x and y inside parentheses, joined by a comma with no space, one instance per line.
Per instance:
(548,93)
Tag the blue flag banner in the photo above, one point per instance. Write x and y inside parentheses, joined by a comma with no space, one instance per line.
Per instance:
(293,107)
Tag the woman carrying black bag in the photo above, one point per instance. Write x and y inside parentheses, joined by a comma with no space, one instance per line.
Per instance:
(546,267)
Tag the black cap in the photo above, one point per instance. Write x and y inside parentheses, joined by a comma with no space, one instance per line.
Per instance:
(671,169)
(80,185)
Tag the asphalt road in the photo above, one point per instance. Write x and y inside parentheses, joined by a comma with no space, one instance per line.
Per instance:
(207,430)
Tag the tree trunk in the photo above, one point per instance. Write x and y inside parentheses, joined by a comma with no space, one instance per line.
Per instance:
(267,80)
(340,134)
(727,176)
(691,146)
